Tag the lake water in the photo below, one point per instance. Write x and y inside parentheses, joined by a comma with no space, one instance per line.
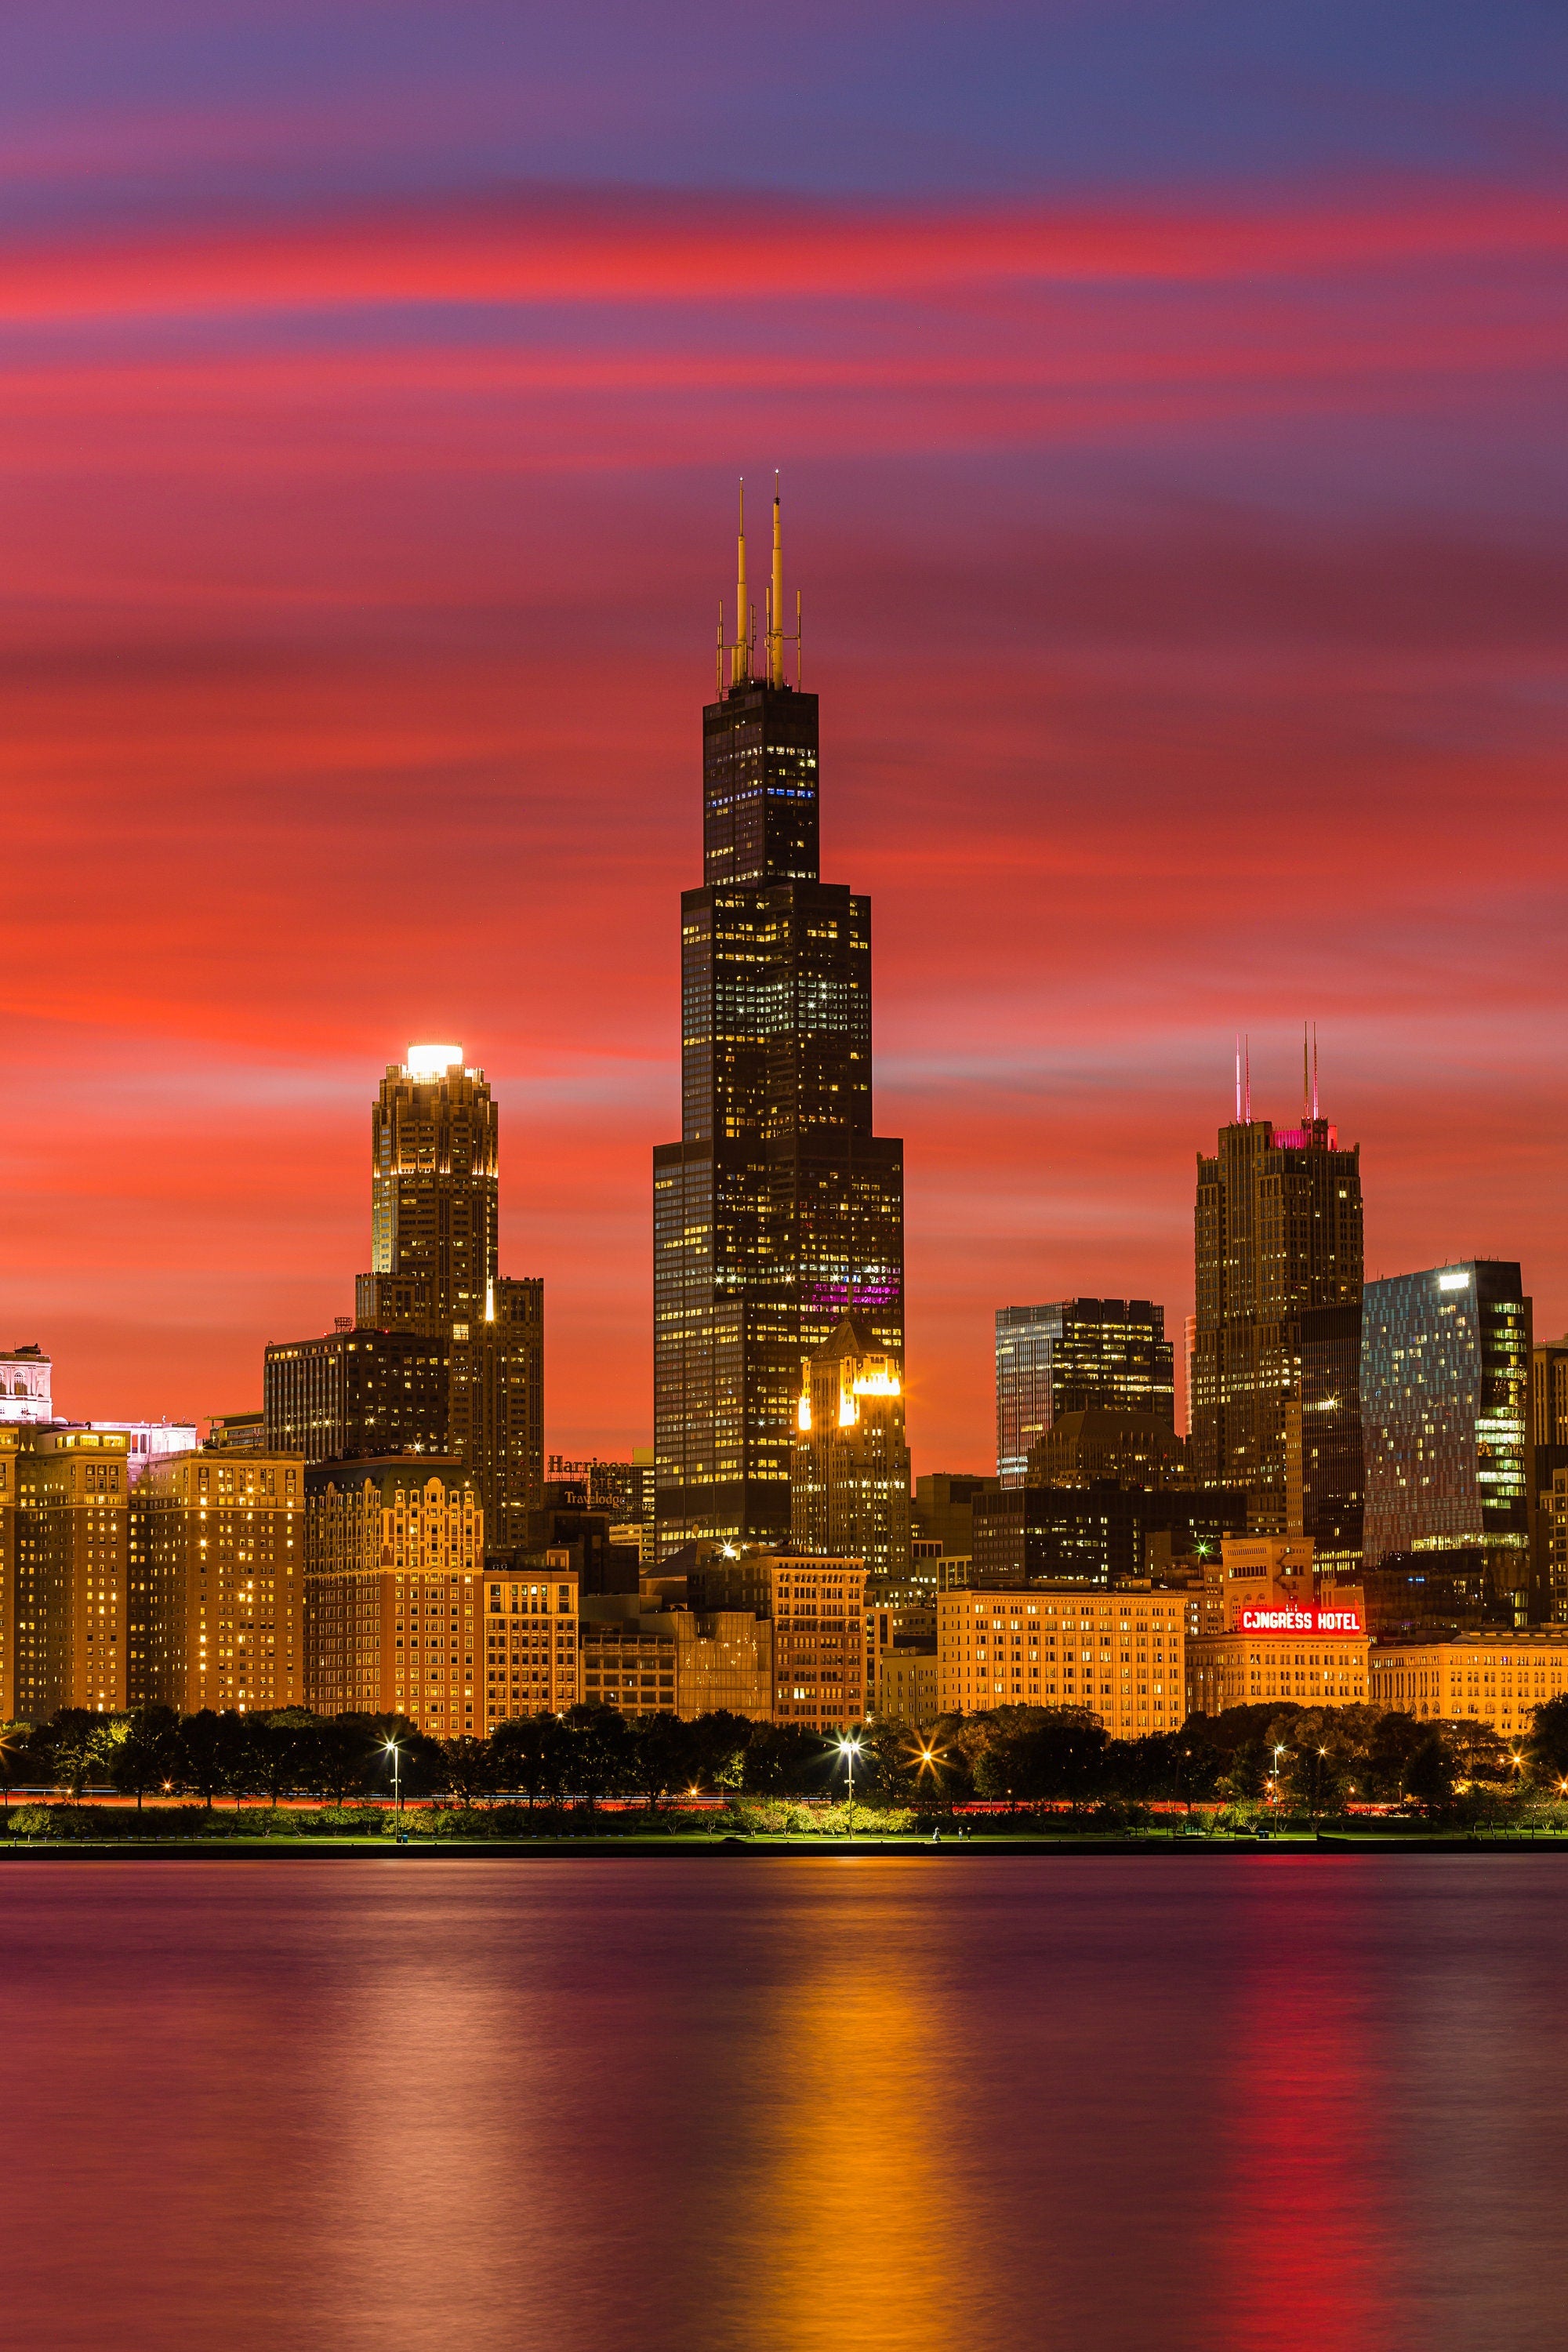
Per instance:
(802,2106)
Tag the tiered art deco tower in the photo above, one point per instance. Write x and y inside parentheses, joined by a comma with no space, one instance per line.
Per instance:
(779,1208)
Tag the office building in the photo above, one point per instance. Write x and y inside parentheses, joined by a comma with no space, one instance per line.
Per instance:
(394,1559)
(150,1441)
(1549,1454)
(1323,1455)
(1076,1355)
(216,1613)
(1278,1240)
(779,1208)
(355,1393)
(945,1509)
(1097,1534)
(648,1659)
(907,1685)
(236,1432)
(444,1354)
(532,1662)
(1497,1678)
(816,1607)
(1446,1407)
(25,1376)
(1131,1449)
(66,1558)
(849,1489)
(1275,1629)
(1118,1656)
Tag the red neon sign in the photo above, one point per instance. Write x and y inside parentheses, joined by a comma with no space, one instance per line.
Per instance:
(1301,1621)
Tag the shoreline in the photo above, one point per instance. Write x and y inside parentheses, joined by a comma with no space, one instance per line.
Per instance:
(576,1848)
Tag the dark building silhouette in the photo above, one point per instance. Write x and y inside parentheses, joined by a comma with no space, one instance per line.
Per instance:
(355,1392)
(1076,1355)
(779,1208)
(1096,1534)
(1277,1241)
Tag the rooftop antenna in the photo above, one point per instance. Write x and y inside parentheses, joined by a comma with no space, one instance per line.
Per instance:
(775,599)
(1314,1069)
(719,656)
(1238,1077)
(741,652)
(1306,1090)
(1246,1054)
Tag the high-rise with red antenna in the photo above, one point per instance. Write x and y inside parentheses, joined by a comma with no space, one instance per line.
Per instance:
(779,1208)
(1275,1398)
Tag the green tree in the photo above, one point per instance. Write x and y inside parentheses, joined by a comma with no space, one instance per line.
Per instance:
(531,1753)
(1547,1746)
(467,1769)
(661,1755)
(718,1742)
(1038,1753)
(207,1751)
(599,1752)
(1428,1771)
(784,1760)
(147,1753)
(73,1747)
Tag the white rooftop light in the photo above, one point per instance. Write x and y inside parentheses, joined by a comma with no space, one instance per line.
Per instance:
(432,1061)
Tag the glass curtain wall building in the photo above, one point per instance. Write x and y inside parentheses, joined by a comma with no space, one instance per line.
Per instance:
(1444,1393)
(1076,1355)
(779,1208)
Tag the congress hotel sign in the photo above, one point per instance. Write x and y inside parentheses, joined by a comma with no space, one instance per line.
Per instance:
(1300,1620)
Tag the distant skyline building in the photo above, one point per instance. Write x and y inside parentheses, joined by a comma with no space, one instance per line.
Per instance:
(779,1207)
(1446,1406)
(1277,1244)
(25,1376)
(1076,1355)
(850,1489)
(443,1353)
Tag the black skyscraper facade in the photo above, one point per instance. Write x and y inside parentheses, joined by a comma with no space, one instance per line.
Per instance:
(778,1208)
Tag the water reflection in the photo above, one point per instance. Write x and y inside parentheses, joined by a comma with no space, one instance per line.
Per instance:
(1241,2104)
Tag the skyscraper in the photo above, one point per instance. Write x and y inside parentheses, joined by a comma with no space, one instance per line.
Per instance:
(443,1352)
(779,1208)
(1277,1239)
(1076,1355)
(850,1488)
(1445,1395)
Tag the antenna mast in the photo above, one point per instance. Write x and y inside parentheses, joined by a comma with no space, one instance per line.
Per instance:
(741,651)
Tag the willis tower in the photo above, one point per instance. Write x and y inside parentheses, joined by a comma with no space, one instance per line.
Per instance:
(779,1208)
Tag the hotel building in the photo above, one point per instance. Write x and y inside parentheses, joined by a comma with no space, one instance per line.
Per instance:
(218,1582)
(67,1555)
(1499,1677)
(1275,1630)
(1119,1655)
(394,1555)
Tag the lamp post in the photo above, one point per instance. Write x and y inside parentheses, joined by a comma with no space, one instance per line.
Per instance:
(849,1748)
(396,1752)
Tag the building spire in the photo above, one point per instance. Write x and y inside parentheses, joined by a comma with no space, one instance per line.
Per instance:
(741,651)
(1314,1070)
(1238,1077)
(1305,1083)
(775,600)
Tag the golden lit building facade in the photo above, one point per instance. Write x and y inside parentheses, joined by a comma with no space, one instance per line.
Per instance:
(906,1686)
(532,1664)
(1275,1632)
(400,1539)
(66,1610)
(1499,1678)
(849,1473)
(218,1582)
(1118,1654)
(816,1607)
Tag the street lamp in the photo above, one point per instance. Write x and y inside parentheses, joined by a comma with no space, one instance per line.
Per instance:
(849,1748)
(396,1752)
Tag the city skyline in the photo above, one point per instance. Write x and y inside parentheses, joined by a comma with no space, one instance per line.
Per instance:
(1179,508)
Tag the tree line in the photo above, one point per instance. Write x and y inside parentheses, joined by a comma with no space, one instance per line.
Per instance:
(1307,1760)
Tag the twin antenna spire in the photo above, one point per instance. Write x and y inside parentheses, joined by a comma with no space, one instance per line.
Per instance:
(1308,1078)
(741,645)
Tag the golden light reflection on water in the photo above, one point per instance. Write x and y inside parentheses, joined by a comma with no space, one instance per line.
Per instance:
(854,2211)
